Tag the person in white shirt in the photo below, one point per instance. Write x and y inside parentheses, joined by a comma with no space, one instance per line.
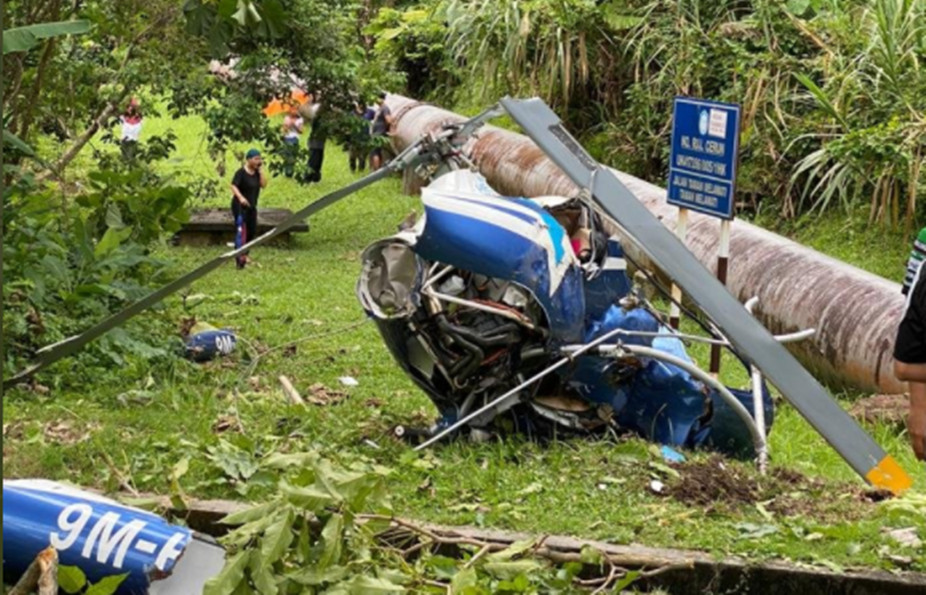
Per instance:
(131,130)
(292,129)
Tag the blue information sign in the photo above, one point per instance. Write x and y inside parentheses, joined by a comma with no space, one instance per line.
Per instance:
(702,166)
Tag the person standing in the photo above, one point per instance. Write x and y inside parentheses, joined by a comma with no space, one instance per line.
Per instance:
(910,359)
(382,122)
(131,130)
(917,256)
(246,186)
(359,141)
(292,130)
(313,110)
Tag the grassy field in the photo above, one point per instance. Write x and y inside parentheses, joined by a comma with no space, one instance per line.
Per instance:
(202,429)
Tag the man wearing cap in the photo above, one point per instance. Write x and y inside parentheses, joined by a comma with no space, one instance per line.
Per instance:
(245,187)
(910,349)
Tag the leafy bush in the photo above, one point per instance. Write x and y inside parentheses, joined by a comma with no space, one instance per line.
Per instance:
(70,260)
(832,92)
(328,529)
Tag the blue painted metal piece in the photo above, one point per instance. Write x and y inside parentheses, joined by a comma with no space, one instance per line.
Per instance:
(671,455)
(509,239)
(101,536)
(702,162)
(609,285)
(206,345)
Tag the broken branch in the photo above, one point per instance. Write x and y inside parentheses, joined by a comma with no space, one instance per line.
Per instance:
(42,575)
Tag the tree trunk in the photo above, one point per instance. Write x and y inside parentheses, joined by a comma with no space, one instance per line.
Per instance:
(55,170)
(27,110)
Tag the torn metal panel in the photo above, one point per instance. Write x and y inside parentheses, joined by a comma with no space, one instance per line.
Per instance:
(103,538)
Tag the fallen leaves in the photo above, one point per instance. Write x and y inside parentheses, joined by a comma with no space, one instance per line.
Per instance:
(65,432)
(321,395)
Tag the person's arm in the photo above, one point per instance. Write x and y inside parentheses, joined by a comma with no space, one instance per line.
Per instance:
(916,423)
(387,115)
(910,372)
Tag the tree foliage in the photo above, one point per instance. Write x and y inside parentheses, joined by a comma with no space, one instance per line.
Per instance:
(833,91)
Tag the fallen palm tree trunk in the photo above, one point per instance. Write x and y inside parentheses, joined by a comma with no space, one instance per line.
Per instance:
(855,313)
(678,571)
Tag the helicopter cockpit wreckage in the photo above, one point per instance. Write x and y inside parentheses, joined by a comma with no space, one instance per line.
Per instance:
(517,314)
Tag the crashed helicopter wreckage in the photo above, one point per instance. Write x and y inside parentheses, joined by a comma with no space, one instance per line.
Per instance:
(487,291)
(550,316)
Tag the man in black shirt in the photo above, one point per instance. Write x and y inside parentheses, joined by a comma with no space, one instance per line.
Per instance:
(245,187)
(910,360)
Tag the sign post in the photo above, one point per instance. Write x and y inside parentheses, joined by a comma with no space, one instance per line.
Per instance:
(702,173)
(681,230)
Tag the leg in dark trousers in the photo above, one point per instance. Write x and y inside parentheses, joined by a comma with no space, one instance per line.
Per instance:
(316,157)
(250,221)
(290,150)
(357,160)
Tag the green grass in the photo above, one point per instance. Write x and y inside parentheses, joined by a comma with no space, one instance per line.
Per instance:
(135,425)
(848,236)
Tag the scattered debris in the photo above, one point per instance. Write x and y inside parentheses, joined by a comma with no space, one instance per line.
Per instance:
(41,576)
(319,394)
(657,486)
(135,397)
(886,409)
(348,381)
(291,393)
(62,432)
(226,423)
(901,561)
(13,430)
(906,537)
(671,455)
(205,342)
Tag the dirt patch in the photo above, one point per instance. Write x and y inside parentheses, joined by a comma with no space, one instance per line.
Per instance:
(716,483)
(711,482)
(886,409)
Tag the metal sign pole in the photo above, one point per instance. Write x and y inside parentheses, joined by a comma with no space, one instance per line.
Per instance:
(723,259)
(681,230)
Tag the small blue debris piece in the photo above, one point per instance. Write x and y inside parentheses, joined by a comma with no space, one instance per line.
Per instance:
(671,455)
(206,342)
